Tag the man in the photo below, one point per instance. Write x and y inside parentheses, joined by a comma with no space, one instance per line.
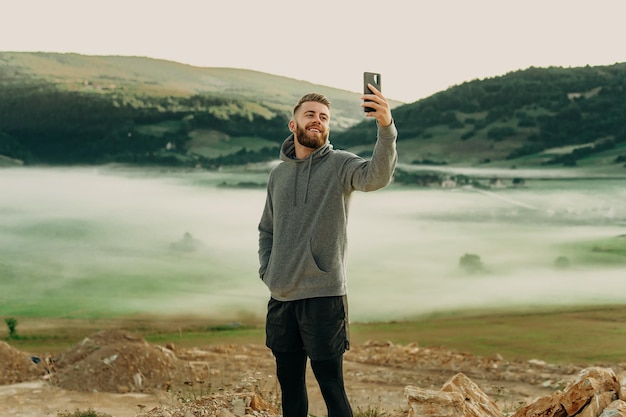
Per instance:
(302,246)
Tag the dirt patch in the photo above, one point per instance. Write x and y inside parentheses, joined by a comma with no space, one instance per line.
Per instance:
(17,366)
(116,361)
(119,373)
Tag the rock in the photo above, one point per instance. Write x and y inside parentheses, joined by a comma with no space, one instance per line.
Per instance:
(239,407)
(459,397)
(605,376)
(543,407)
(590,383)
(597,404)
(591,394)
(595,392)
(477,403)
(424,402)
(615,409)
(257,403)
(225,412)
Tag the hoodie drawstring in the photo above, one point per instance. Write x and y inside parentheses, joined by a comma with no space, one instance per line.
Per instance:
(295,189)
(287,154)
(308,179)
(306,186)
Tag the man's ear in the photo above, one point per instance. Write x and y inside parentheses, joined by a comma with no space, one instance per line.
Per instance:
(292,125)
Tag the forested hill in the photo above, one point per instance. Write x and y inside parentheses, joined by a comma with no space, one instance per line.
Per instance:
(71,108)
(532,117)
(76,109)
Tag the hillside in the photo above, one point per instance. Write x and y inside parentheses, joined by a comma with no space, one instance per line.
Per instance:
(127,76)
(533,117)
(77,109)
(70,108)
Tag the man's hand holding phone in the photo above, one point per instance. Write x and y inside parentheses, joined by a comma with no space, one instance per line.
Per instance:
(374,103)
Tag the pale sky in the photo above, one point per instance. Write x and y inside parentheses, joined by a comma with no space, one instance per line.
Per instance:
(420,47)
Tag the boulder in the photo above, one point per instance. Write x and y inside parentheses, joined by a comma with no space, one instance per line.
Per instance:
(549,406)
(594,392)
(615,409)
(589,384)
(459,397)
(598,404)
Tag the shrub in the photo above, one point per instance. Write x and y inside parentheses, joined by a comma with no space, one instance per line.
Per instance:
(370,411)
(500,133)
(87,413)
(562,262)
(471,263)
(12,324)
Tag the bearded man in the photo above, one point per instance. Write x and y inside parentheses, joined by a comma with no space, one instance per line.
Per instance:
(302,248)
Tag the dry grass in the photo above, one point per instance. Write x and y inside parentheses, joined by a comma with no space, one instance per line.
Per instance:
(581,335)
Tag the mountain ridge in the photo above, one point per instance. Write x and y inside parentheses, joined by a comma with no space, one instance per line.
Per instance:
(72,108)
(92,73)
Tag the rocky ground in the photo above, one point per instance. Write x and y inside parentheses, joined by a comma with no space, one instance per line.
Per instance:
(120,374)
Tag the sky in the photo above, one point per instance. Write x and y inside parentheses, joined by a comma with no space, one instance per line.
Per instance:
(419,47)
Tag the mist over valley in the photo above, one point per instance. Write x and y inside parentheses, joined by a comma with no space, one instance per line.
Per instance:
(107,241)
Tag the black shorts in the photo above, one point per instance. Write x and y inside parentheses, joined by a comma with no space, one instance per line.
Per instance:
(317,325)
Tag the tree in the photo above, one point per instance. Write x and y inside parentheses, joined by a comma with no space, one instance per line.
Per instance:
(471,263)
(12,324)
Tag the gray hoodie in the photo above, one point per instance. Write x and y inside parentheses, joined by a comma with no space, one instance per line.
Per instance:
(302,232)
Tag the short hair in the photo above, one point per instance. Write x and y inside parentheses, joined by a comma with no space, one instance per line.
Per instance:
(319,98)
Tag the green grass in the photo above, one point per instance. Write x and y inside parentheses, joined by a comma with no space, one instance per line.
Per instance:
(581,336)
(100,288)
(212,144)
(159,129)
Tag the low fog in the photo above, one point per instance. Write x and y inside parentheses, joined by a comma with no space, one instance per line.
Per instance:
(101,241)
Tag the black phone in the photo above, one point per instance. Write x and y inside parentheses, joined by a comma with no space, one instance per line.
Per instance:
(374,79)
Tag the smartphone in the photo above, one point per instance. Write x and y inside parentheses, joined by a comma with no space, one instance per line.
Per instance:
(374,79)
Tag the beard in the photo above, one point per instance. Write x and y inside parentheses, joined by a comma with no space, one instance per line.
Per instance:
(311,140)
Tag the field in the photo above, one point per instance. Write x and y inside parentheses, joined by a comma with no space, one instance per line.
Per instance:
(171,256)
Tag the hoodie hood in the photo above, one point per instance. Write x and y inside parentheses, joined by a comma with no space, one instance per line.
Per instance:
(288,154)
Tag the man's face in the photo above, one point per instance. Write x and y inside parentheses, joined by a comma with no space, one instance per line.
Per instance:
(311,124)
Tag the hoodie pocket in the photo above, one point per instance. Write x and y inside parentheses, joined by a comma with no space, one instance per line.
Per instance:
(312,263)
(292,268)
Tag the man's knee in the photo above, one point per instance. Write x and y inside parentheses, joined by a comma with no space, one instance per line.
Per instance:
(328,369)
